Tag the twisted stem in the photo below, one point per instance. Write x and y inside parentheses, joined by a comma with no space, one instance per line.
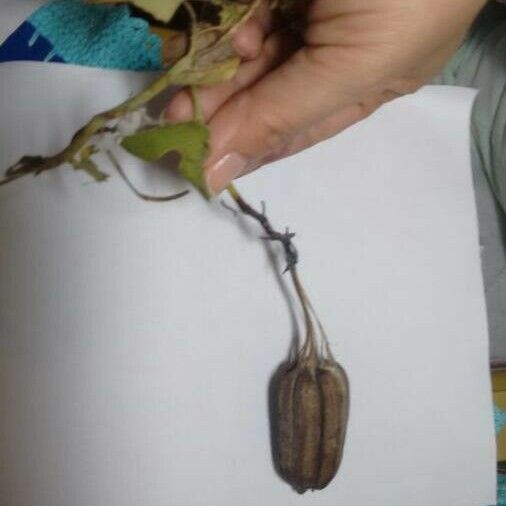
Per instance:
(309,348)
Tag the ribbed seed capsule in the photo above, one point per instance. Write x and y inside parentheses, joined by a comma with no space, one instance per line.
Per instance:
(307,420)
(312,414)
(285,426)
(335,397)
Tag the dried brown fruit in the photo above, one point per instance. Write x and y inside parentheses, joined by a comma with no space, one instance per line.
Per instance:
(309,394)
(312,404)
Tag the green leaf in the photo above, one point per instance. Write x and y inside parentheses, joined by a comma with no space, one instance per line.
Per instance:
(190,140)
(162,10)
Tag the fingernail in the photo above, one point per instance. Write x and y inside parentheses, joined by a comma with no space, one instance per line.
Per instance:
(224,171)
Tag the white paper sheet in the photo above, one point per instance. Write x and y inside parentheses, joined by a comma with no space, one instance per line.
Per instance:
(137,339)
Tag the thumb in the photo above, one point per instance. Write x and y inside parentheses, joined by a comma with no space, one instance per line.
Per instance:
(259,121)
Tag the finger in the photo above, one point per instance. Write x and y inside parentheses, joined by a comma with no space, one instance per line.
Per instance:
(248,38)
(247,41)
(324,129)
(263,15)
(266,116)
(330,126)
(212,98)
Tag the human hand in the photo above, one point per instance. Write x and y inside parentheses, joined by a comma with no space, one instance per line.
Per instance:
(355,56)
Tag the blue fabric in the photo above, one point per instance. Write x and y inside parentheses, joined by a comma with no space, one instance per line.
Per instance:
(71,31)
(501,490)
(24,44)
(499,419)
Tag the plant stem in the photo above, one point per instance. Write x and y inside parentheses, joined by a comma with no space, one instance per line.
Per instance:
(292,258)
(37,164)
(143,196)
(181,73)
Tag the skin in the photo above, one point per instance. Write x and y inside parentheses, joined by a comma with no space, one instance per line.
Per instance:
(355,56)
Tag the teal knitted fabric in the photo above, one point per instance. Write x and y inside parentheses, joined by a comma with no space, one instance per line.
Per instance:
(499,419)
(98,35)
(501,490)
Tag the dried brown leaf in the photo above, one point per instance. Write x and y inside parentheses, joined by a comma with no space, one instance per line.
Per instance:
(162,10)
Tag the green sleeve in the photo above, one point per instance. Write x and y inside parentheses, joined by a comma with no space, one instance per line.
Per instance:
(481,63)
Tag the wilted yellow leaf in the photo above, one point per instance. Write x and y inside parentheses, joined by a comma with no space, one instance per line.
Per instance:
(163,10)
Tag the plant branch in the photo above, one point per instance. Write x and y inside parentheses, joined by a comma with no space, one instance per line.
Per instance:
(286,239)
(38,164)
(185,71)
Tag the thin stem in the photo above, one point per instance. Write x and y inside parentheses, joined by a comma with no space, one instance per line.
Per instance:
(310,343)
(37,164)
(291,254)
(325,344)
(143,196)
(309,347)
